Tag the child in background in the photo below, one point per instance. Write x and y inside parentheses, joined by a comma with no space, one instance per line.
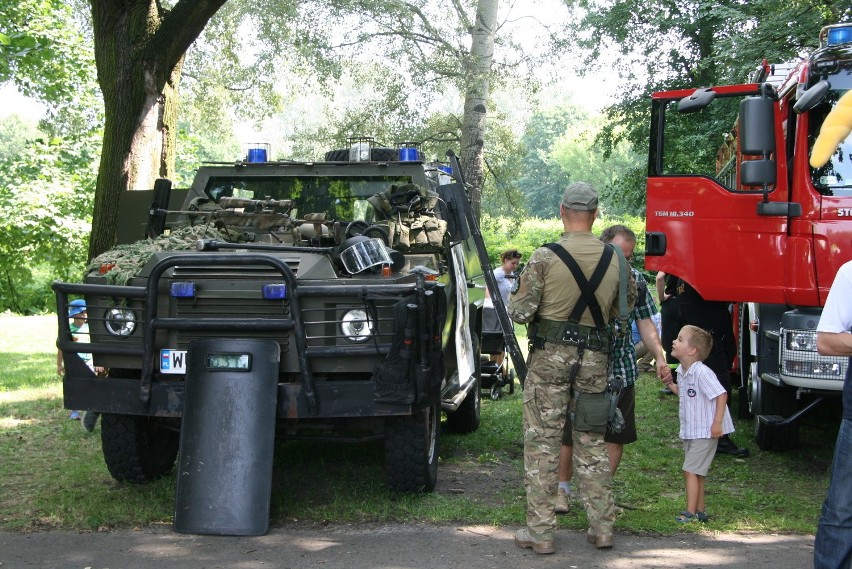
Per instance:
(703,412)
(79,329)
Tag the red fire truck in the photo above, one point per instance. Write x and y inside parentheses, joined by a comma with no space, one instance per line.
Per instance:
(742,216)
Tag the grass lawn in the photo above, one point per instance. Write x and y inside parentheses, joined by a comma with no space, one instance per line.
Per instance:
(52,474)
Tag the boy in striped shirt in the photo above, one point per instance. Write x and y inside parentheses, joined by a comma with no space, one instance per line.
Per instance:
(703,412)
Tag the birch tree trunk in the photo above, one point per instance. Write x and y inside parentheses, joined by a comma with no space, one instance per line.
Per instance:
(139,51)
(477,85)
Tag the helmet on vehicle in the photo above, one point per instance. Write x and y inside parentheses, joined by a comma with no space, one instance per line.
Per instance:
(360,253)
(75,307)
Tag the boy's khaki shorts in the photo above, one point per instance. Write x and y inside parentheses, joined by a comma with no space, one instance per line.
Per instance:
(699,455)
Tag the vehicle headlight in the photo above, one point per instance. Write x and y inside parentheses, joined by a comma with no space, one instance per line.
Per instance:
(801,340)
(356,326)
(120,322)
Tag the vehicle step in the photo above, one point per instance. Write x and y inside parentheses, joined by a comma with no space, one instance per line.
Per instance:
(770,420)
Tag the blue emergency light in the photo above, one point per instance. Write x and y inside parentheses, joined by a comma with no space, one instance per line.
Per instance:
(836,35)
(276,291)
(257,152)
(182,290)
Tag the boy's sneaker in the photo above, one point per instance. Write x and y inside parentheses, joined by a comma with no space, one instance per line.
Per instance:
(90,418)
(74,416)
(562,505)
(564,499)
(702,517)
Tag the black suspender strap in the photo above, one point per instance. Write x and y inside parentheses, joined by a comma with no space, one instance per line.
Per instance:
(587,287)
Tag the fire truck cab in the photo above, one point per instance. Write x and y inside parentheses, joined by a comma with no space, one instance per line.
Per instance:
(735,209)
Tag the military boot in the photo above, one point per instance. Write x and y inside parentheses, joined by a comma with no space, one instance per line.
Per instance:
(525,539)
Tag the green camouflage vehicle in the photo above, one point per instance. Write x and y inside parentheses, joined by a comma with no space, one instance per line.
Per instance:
(359,267)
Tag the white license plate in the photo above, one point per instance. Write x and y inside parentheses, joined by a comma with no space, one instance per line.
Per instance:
(172,361)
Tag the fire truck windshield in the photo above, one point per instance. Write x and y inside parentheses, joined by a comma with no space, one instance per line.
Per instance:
(835,177)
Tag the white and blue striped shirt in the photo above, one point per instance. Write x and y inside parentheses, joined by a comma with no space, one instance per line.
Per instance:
(698,389)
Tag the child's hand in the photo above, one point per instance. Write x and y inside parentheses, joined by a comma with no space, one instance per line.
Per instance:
(716,429)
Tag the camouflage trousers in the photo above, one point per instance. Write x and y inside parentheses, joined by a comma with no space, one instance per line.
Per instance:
(546,395)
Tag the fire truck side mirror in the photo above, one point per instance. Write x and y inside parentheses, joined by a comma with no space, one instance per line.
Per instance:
(699,99)
(812,97)
(758,172)
(757,126)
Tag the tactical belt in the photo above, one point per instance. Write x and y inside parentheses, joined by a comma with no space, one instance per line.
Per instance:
(571,334)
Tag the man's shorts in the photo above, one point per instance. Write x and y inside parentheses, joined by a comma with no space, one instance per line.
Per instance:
(627,404)
(699,455)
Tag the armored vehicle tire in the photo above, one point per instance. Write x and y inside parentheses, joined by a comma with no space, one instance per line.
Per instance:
(377,154)
(137,449)
(466,418)
(411,450)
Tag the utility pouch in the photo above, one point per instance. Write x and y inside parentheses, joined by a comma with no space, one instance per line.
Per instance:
(417,233)
(436,230)
(591,413)
(615,419)
(402,239)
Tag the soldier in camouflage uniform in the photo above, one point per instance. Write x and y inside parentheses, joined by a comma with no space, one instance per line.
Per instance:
(564,355)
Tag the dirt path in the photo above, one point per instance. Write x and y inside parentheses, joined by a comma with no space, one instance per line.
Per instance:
(399,546)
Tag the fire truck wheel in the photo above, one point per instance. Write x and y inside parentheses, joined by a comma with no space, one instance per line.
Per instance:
(745,360)
(769,405)
(411,450)
(466,418)
(138,449)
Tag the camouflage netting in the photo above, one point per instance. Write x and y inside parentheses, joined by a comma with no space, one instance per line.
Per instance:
(129,259)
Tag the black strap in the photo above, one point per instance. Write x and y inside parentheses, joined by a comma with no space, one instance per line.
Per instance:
(587,287)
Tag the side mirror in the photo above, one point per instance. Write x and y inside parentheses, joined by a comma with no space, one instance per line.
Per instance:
(699,99)
(812,97)
(758,172)
(157,212)
(757,126)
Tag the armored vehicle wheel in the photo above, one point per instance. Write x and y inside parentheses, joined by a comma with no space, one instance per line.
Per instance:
(411,450)
(137,449)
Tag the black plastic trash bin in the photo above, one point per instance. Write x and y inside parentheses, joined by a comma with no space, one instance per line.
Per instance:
(227,441)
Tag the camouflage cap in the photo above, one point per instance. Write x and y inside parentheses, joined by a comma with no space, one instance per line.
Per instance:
(580,196)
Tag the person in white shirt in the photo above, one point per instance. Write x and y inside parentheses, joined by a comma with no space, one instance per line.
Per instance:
(703,412)
(833,544)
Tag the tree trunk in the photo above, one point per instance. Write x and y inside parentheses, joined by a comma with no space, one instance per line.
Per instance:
(477,87)
(139,51)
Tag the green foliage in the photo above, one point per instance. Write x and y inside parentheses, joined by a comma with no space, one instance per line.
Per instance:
(45,56)
(46,196)
(661,46)
(528,234)
(559,146)
(542,178)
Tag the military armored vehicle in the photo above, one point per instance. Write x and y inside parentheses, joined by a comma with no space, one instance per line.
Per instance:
(360,270)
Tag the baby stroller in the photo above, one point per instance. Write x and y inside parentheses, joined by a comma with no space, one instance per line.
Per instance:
(495,373)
